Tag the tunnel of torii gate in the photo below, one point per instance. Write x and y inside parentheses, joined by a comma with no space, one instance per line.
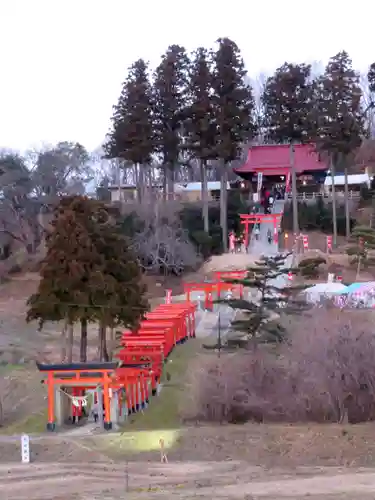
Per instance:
(247,219)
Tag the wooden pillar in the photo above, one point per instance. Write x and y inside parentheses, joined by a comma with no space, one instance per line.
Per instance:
(246,224)
(107,403)
(115,407)
(51,402)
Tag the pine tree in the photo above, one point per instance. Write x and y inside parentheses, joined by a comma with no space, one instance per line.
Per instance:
(200,122)
(234,106)
(88,274)
(132,135)
(267,300)
(287,103)
(339,120)
(169,94)
(362,248)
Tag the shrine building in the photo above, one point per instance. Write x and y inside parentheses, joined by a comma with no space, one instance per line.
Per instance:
(273,161)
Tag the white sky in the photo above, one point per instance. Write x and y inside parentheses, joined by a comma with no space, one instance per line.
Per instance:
(63,61)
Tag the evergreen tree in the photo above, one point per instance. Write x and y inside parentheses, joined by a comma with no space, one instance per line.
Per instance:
(371,78)
(170,93)
(65,271)
(88,275)
(287,103)
(362,247)
(234,106)
(269,295)
(121,291)
(200,119)
(132,134)
(339,119)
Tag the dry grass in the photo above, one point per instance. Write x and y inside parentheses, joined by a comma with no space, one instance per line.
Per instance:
(227,262)
(229,462)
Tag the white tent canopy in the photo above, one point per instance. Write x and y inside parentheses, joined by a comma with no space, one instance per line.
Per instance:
(321,290)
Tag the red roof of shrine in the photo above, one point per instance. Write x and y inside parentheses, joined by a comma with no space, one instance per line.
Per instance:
(275,160)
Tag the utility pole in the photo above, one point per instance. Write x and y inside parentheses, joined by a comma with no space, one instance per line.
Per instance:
(334,212)
(219,335)
(294,191)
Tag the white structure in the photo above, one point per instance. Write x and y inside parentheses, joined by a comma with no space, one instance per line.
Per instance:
(320,291)
(25,449)
(353,180)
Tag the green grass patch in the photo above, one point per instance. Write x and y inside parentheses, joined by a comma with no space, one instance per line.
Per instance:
(9,367)
(163,410)
(32,424)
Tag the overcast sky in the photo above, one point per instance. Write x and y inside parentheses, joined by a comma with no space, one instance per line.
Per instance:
(63,61)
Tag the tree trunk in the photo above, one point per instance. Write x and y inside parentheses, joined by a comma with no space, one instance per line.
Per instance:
(165,181)
(83,344)
(170,182)
(64,342)
(70,339)
(224,207)
(334,213)
(141,183)
(136,175)
(205,215)
(294,192)
(102,347)
(347,212)
(112,343)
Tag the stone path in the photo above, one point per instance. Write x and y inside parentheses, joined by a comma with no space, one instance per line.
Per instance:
(262,247)
(207,324)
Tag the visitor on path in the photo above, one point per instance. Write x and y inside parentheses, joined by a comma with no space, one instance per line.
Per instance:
(95,412)
(269,236)
(232,242)
(256,232)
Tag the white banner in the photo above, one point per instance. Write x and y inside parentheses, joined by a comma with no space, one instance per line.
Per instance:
(260,181)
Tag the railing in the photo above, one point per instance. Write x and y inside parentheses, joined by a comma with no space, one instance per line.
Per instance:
(353,195)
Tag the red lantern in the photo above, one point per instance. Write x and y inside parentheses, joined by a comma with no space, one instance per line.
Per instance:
(329,243)
(168,296)
(305,240)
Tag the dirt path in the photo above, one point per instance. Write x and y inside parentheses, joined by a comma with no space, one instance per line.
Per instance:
(186,480)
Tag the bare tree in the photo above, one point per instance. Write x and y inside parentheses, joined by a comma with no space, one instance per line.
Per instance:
(160,242)
(368,98)
(258,85)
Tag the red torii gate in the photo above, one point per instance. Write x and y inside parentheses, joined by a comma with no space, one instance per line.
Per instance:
(247,219)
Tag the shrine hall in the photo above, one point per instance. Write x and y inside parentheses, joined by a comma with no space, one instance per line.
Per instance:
(274,162)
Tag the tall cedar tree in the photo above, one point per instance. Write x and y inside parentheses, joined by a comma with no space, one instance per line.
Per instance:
(65,272)
(132,134)
(81,279)
(234,106)
(200,123)
(287,102)
(339,119)
(169,94)
(122,291)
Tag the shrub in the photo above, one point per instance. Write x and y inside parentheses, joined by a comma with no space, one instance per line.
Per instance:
(310,267)
(192,222)
(325,373)
(316,216)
